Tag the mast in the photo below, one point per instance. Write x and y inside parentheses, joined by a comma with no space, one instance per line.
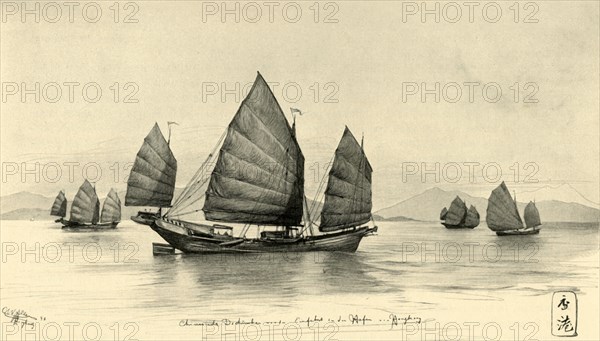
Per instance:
(259,174)
(348,192)
(152,179)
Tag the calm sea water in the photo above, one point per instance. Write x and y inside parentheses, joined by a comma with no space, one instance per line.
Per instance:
(109,282)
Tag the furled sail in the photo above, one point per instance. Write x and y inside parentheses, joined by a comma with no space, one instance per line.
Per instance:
(443,213)
(348,193)
(457,212)
(472,218)
(259,174)
(502,213)
(111,210)
(86,206)
(152,178)
(532,216)
(59,208)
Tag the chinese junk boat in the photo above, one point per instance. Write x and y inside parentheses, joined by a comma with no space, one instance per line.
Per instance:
(503,216)
(458,216)
(257,180)
(85,211)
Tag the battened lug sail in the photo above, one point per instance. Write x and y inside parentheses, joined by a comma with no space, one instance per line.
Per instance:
(443,213)
(531,215)
(457,212)
(59,207)
(111,210)
(472,218)
(86,206)
(348,193)
(502,213)
(152,179)
(259,173)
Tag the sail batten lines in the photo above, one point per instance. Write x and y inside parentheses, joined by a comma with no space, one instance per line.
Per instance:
(457,212)
(59,207)
(152,178)
(86,206)
(502,213)
(259,135)
(111,210)
(348,192)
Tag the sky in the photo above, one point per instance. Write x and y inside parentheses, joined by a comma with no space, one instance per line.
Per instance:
(355,63)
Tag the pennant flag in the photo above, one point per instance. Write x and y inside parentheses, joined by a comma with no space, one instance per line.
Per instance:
(294,110)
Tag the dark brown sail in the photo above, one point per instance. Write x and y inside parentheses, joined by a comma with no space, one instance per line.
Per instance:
(86,205)
(259,173)
(472,218)
(348,193)
(443,213)
(59,208)
(152,178)
(111,210)
(531,215)
(457,212)
(502,213)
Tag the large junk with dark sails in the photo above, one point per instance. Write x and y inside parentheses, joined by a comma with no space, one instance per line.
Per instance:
(257,181)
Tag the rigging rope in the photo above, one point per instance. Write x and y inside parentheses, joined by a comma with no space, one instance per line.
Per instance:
(196,179)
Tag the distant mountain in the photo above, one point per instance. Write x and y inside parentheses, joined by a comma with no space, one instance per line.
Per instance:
(27,214)
(20,200)
(564,193)
(427,206)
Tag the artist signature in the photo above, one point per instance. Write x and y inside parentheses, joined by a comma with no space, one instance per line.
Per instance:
(20,317)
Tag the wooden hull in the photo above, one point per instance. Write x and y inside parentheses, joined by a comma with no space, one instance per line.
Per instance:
(145,218)
(520,232)
(71,225)
(460,226)
(180,238)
